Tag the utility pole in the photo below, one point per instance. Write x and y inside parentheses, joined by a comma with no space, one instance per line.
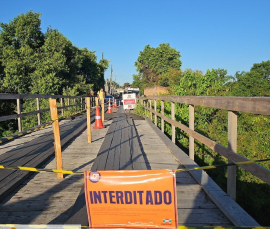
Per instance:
(111,81)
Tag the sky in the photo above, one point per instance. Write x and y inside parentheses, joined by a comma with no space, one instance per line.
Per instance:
(210,34)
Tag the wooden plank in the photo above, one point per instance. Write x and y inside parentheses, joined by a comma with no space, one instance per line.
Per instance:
(35,156)
(155,108)
(125,156)
(255,105)
(38,108)
(24,217)
(112,163)
(33,96)
(117,146)
(228,206)
(19,112)
(173,118)
(20,115)
(254,168)
(88,114)
(137,156)
(100,161)
(57,141)
(78,213)
(162,112)
(191,126)
(232,145)
(203,217)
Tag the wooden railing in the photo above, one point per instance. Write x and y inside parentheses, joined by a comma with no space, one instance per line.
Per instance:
(19,97)
(255,105)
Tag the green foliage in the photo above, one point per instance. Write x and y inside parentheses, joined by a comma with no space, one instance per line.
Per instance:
(253,130)
(154,63)
(32,62)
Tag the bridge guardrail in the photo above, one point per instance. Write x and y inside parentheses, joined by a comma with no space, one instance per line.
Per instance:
(19,114)
(255,105)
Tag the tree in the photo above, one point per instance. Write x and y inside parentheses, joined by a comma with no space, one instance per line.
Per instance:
(126,85)
(172,77)
(20,41)
(32,62)
(254,83)
(153,63)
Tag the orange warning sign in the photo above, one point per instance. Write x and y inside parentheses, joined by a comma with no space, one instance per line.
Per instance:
(131,198)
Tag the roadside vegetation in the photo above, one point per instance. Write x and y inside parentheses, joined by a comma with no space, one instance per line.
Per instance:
(162,66)
(33,62)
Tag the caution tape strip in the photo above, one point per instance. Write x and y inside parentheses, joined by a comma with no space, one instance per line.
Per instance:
(31,169)
(179,227)
(218,166)
(34,129)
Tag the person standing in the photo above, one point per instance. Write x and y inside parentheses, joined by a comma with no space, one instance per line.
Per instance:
(100,96)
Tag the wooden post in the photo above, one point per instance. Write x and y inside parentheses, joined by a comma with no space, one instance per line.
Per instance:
(144,107)
(68,104)
(88,120)
(173,118)
(155,107)
(62,104)
(82,104)
(102,107)
(75,105)
(56,132)
(191,126)
(151,114)
(19,112)
(162,120)
(232,145)
(38,108)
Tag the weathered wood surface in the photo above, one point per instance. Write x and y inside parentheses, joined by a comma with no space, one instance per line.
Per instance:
(32,150)
(120,151)
(255,105)
(145,150)
(44,199)
(194,207)
(226,205)
(255,169)
(29,96)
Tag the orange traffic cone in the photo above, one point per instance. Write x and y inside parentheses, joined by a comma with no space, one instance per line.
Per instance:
(114,104)
(109,108)
(98,121)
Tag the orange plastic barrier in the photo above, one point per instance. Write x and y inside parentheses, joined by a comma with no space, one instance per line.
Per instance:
(131,198)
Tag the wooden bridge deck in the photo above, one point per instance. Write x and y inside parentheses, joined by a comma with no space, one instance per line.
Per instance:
(129,144)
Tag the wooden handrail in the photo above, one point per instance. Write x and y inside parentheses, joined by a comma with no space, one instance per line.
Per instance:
(255,105)
(19,114)
(33,96)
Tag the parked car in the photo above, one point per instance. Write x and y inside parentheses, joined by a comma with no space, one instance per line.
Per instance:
(107,97)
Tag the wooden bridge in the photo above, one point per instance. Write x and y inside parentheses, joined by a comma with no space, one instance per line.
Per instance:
(129,142)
